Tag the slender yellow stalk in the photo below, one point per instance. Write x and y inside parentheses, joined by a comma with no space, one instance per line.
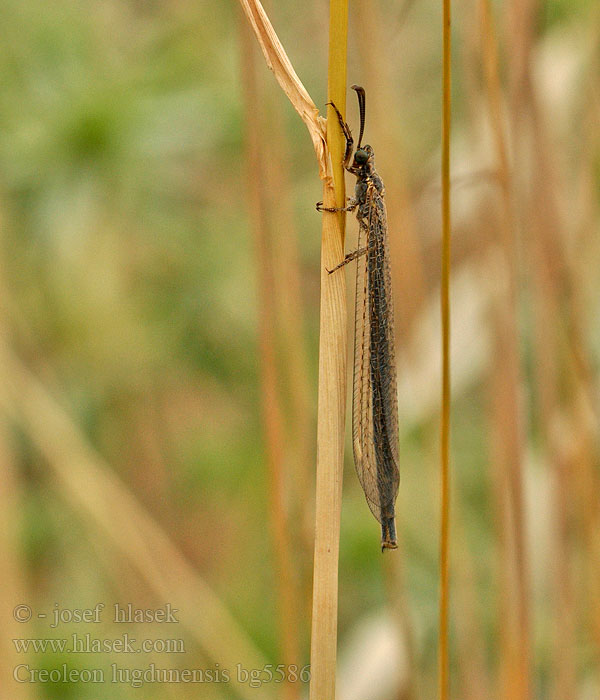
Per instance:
(333,323)
(332,384)
(444,667)
(336,93)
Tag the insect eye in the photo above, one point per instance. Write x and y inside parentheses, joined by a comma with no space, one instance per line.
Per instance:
(361,156)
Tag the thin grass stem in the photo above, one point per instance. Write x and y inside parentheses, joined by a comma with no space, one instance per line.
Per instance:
(332,383)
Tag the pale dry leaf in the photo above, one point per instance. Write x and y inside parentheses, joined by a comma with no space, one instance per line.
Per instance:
(280,64)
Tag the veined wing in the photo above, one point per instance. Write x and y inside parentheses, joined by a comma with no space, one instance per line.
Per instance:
(375,402)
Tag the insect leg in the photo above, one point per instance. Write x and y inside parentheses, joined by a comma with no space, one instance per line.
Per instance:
(349,258)
(352,204)
(347,135)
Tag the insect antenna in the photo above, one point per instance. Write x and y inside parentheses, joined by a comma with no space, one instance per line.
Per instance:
(360,93)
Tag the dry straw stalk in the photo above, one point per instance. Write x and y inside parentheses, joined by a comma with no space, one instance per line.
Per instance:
(333,324)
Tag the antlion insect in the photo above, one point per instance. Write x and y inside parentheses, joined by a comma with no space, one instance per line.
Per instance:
(375,400)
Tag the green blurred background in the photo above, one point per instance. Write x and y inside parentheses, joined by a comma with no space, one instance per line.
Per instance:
(159,344)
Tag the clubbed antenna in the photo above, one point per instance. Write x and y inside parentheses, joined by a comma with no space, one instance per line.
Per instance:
(360,92)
